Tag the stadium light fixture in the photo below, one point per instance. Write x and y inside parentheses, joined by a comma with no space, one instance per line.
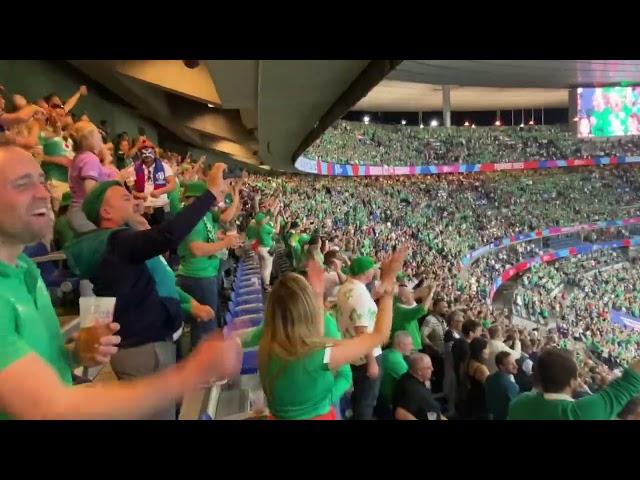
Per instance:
(473,126)
(366,119)
(422,125)
(531,122)
(522,124)
(404,122)
(434,123)
(498,123)
(466,124)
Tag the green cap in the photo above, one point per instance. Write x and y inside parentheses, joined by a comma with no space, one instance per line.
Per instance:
(195,189)
(92,204)
(65,201)
(360,265)
(260,217)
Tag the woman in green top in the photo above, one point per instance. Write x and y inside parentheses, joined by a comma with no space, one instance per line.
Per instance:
(296,360)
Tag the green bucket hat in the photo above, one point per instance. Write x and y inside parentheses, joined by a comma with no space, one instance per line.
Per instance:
(92,204)
(194,189)
(360,265)
(65,201)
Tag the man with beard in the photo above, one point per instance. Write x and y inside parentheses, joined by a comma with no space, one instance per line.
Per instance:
(152,179)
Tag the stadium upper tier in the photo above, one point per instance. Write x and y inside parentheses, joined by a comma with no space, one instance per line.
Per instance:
(400,145)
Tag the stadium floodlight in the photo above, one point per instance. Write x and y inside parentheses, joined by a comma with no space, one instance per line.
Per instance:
(366,119)
(531,122)
(473,126)
(404,122)
(434,123)
(498,123)
(522,124)
(422,125)
(466,124)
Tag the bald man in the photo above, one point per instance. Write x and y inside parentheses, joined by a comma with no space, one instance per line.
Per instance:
(35,366)
(412,397)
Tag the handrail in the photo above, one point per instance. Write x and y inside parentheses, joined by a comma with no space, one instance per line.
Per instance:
(51,257)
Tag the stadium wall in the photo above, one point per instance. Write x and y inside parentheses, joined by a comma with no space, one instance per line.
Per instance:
(36,78)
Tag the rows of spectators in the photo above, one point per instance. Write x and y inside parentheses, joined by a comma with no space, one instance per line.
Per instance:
(401,145)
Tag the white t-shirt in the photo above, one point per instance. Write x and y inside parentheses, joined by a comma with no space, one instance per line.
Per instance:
(331,285)
(356,308)
(162,200)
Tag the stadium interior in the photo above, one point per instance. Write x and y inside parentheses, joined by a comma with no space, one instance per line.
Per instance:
(320,239)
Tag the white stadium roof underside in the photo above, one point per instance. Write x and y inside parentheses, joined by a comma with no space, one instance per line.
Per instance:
(265,113)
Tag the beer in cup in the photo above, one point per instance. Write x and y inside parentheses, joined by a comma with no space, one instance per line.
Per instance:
(96,313)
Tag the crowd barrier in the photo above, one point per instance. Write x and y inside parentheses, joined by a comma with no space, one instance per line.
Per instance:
(555,255)
(320,167)
(474,255)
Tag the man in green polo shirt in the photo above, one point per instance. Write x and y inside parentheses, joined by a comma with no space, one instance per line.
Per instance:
(200,261)
(406,312)
(35,366)
(393,367)
(265,242)
(557,374)
(55,164)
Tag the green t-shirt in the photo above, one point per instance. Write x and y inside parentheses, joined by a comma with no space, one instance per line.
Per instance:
(63,234)
(305,388)
(199,267)
(29,323)
(406,318)
(54,147)
(604,405)
(393,367)
(252,231)
(265,235)
(174,199)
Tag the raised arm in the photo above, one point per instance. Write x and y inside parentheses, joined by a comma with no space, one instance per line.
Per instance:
(349,350)
(69,104)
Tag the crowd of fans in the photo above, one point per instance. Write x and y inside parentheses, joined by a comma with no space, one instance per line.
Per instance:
(402,145)
(380,310)
(579,293)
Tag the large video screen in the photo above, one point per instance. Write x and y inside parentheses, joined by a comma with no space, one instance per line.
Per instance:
(608,111)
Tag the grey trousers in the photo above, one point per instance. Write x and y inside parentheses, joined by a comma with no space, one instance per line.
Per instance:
(145,360)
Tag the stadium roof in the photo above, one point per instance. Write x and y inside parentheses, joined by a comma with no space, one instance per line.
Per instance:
(415,85)
(257,112)
(265,113)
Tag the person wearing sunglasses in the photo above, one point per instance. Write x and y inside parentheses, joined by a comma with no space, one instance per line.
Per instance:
(53,101)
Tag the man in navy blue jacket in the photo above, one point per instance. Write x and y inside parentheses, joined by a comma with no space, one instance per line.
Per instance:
(127,264)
